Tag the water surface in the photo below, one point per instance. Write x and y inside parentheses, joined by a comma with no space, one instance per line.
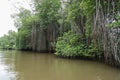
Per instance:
(17,65)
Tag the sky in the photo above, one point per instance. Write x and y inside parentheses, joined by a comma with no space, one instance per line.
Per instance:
(7,8)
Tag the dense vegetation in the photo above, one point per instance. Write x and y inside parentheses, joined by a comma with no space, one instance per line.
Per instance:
(71,28)
(74,45)
(8,41)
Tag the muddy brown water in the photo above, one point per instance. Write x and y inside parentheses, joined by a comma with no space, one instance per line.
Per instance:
(17,65)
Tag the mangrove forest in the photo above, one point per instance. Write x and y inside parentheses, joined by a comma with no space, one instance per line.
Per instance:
(74,29)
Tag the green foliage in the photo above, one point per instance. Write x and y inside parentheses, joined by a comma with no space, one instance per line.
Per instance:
(74,45)
(48,11)
(8,41)
(26,20)
(115,23)
(19,17)
(88,7)
(74,10)
(23,39)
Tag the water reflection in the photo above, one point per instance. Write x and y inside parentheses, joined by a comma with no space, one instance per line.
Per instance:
(16,65)
(7,68)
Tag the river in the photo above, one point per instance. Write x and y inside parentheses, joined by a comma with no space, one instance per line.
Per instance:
(18,65)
